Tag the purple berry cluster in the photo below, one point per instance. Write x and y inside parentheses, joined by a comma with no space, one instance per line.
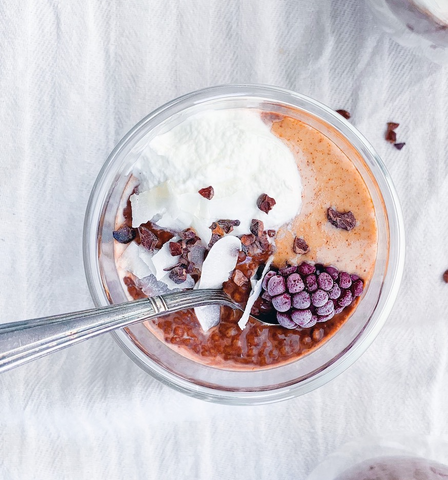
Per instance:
(307,294)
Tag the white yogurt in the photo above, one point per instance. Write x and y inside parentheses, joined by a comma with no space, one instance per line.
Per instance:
(231,150)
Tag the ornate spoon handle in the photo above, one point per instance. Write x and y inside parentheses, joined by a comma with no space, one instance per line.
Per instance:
(27,340)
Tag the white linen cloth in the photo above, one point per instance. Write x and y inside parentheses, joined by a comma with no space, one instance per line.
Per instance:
(74,78)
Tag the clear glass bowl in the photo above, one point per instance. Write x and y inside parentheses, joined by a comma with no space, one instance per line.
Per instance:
(277,383)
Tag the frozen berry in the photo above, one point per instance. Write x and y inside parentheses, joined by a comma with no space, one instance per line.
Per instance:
(325,309)
(276,285)
(282,303)
(325,318)
(287,271)
(266,278)
(294,283)
(335,292)
(301,317)
(345,299)
(344,280)
(337,309)
(357,287)
(354,277)
(306,268)
(333,272)
(319,298)
(312,322)
(311,283)
(301,300)
(325,281)
(284,320)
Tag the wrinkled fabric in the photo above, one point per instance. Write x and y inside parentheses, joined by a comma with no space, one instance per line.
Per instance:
(74,78)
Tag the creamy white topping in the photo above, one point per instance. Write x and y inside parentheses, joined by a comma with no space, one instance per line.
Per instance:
(234,152)
(231,150)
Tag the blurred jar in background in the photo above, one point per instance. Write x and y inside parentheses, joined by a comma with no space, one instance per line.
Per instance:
(421,25)
(392,457)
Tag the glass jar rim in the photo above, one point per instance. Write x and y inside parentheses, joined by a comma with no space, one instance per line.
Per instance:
(392,278)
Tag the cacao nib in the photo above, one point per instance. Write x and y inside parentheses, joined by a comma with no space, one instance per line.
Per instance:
(178,274)
(148,239)
(124,234)
(265,203)
(187,234)
(271,233)
(399,146)
(344,114)
(175,249)
(343,220)
(445,276)
(227,225)
(256,227)
(239,278)
(207,192)
(300,246)
(214,239)
(391,136)
(216,229)
(253,249)
(241,256)
(248,239)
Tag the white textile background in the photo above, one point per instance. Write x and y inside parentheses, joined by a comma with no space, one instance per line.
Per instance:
(75,76)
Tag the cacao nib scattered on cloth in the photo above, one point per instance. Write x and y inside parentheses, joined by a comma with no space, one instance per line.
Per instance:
(300,246)
(265,203)
(445,276)
(343,220)
(124,234)
(344,114)
(399,146)
(391,136)
(207,192)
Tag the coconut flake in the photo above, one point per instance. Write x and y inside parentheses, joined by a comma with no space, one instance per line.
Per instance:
(216,269)
(254,294)
(131,261)
(220,262)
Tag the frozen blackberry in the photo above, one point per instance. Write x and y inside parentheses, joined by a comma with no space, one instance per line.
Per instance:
(294,283)
(325,281)
(301,317)
(306,294)
(282,303)
(319,298)
(301,300)
(276,285)
(284,319)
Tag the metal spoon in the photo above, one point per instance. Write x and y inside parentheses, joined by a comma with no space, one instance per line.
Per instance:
(21,342)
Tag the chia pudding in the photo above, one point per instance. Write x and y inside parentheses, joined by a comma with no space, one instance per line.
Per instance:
(266,207)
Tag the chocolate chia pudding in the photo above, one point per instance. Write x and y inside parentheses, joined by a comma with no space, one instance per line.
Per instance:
(269,209)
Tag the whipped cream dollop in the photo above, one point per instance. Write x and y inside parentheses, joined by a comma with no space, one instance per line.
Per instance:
(233,151)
